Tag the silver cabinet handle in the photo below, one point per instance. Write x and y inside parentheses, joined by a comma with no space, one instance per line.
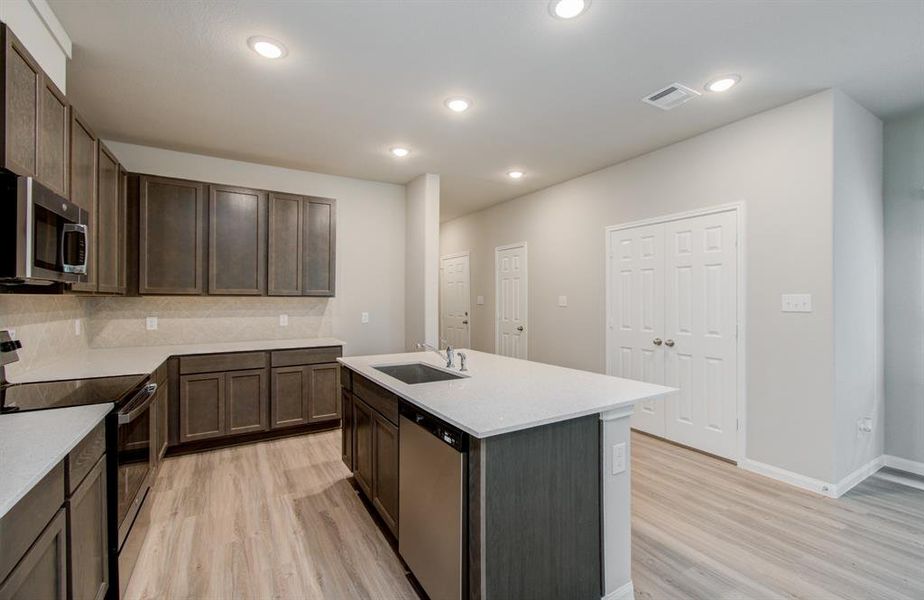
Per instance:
(520,328)
(656,341)
(669,343)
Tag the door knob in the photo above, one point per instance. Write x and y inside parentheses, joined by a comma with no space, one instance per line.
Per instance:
(656,341)
(520,328)
(669,343)
(465,322)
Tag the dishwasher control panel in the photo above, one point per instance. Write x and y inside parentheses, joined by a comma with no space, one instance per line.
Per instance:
(449,435)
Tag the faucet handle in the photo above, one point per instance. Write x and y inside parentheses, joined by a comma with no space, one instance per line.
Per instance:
(462,358)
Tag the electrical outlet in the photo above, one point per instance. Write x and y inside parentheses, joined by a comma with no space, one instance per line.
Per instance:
(78,326)
(797,303)
(150,323)
(364,317)
(283,320)
(12,333)
(563,301)
(619,458)
(865,425)
(479,300)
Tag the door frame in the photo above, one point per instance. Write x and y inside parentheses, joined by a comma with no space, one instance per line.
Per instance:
(466,253)
(497,251)
(741,288)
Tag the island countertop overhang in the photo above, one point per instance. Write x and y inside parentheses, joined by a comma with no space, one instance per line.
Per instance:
(500,394)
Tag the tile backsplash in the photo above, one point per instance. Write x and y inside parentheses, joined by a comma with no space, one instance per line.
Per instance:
(45,326)
(116,322)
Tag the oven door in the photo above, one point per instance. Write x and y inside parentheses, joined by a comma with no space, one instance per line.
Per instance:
(135,461)
(55,244)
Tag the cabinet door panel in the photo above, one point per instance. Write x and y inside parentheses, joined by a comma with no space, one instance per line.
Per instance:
(346,429)
(161,416)
(289,397)
(87,534)
(52,139)
(319,232)
(247,401)
(385,477)
(202,406)
(363,448)
(42,572)
(285,245)
(323,392)
(83,190)
(22,83)
(171,236)
(237,241)
(110,229)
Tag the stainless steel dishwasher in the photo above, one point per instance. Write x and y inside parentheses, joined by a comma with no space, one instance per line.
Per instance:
(432,506)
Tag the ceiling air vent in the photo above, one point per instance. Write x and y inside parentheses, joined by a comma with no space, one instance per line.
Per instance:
(671,97)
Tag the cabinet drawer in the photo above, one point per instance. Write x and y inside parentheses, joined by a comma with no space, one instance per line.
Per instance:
(26,520)
(84,456)
(305,356)
(212,363)
(377,397)
(346,378)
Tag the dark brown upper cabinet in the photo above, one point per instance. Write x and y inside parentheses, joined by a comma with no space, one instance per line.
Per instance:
(22,85)
(54,128)
(237,241)
(302,245)
(83,161)
(171,236)
(110,221)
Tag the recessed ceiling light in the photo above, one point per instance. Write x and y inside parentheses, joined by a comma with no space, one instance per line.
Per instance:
(723,83)
(266,47)
(515,174)
(567,9)
(457,104)
(400,152)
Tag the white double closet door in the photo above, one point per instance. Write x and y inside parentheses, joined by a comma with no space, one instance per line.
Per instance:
(672,319)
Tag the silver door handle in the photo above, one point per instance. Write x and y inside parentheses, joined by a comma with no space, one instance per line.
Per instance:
(656,341)
(669,343)
(520,328)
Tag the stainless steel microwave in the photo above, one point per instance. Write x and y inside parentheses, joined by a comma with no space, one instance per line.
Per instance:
(44,236)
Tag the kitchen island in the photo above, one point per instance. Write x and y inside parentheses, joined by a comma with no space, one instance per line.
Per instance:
(508,480)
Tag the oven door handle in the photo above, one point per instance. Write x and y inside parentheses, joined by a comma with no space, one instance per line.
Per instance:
(138,405)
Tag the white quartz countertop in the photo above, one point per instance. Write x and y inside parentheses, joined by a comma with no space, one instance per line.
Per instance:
(502,394)
(32,443)
(139,360)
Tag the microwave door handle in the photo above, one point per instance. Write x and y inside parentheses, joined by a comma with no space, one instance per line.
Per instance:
(134,412)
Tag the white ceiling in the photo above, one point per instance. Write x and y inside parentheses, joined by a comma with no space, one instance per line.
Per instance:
(556,98)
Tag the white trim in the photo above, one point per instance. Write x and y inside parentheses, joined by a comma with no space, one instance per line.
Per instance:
(497,250)
(848,483)
(904,464)
(457,254)
(618,413)
(811,484)
(624,592)
(741,292)
(53,25)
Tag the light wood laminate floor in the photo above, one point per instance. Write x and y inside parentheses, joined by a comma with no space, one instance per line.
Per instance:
(280,520)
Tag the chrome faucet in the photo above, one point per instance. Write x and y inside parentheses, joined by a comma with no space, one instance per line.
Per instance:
(450,353)
(462,358)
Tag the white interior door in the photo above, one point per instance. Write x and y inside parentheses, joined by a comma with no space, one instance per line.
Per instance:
(455,300)
(636,315)
(511,306)
(672,316)
(700,335)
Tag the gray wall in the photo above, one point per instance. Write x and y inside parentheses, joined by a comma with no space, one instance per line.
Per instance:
(904,286)
(780,165)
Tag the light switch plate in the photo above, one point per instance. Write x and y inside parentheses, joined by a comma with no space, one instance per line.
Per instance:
(563,300)
(619,458)
(364,317)
(479,300)
(78,326)
(150,323)
(797,303)
(283,320)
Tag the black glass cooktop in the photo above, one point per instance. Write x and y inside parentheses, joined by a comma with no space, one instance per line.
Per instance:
(72,392)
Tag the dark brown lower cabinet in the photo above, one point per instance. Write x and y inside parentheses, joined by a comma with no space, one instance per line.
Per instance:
(323,392)
(385,470)
(363,445)
(160,418)
(305,394)
(247,401)
(346,428)
(42,572)
(87,537)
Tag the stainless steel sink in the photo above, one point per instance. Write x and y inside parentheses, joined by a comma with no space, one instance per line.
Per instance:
(412,373)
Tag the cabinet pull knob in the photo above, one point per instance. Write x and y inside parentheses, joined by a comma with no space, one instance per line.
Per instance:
(656,341)
(669,343)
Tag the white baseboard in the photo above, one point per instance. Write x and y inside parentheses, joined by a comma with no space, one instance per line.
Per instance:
(624,592)
(903,464)
(847,483)
(825,488)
